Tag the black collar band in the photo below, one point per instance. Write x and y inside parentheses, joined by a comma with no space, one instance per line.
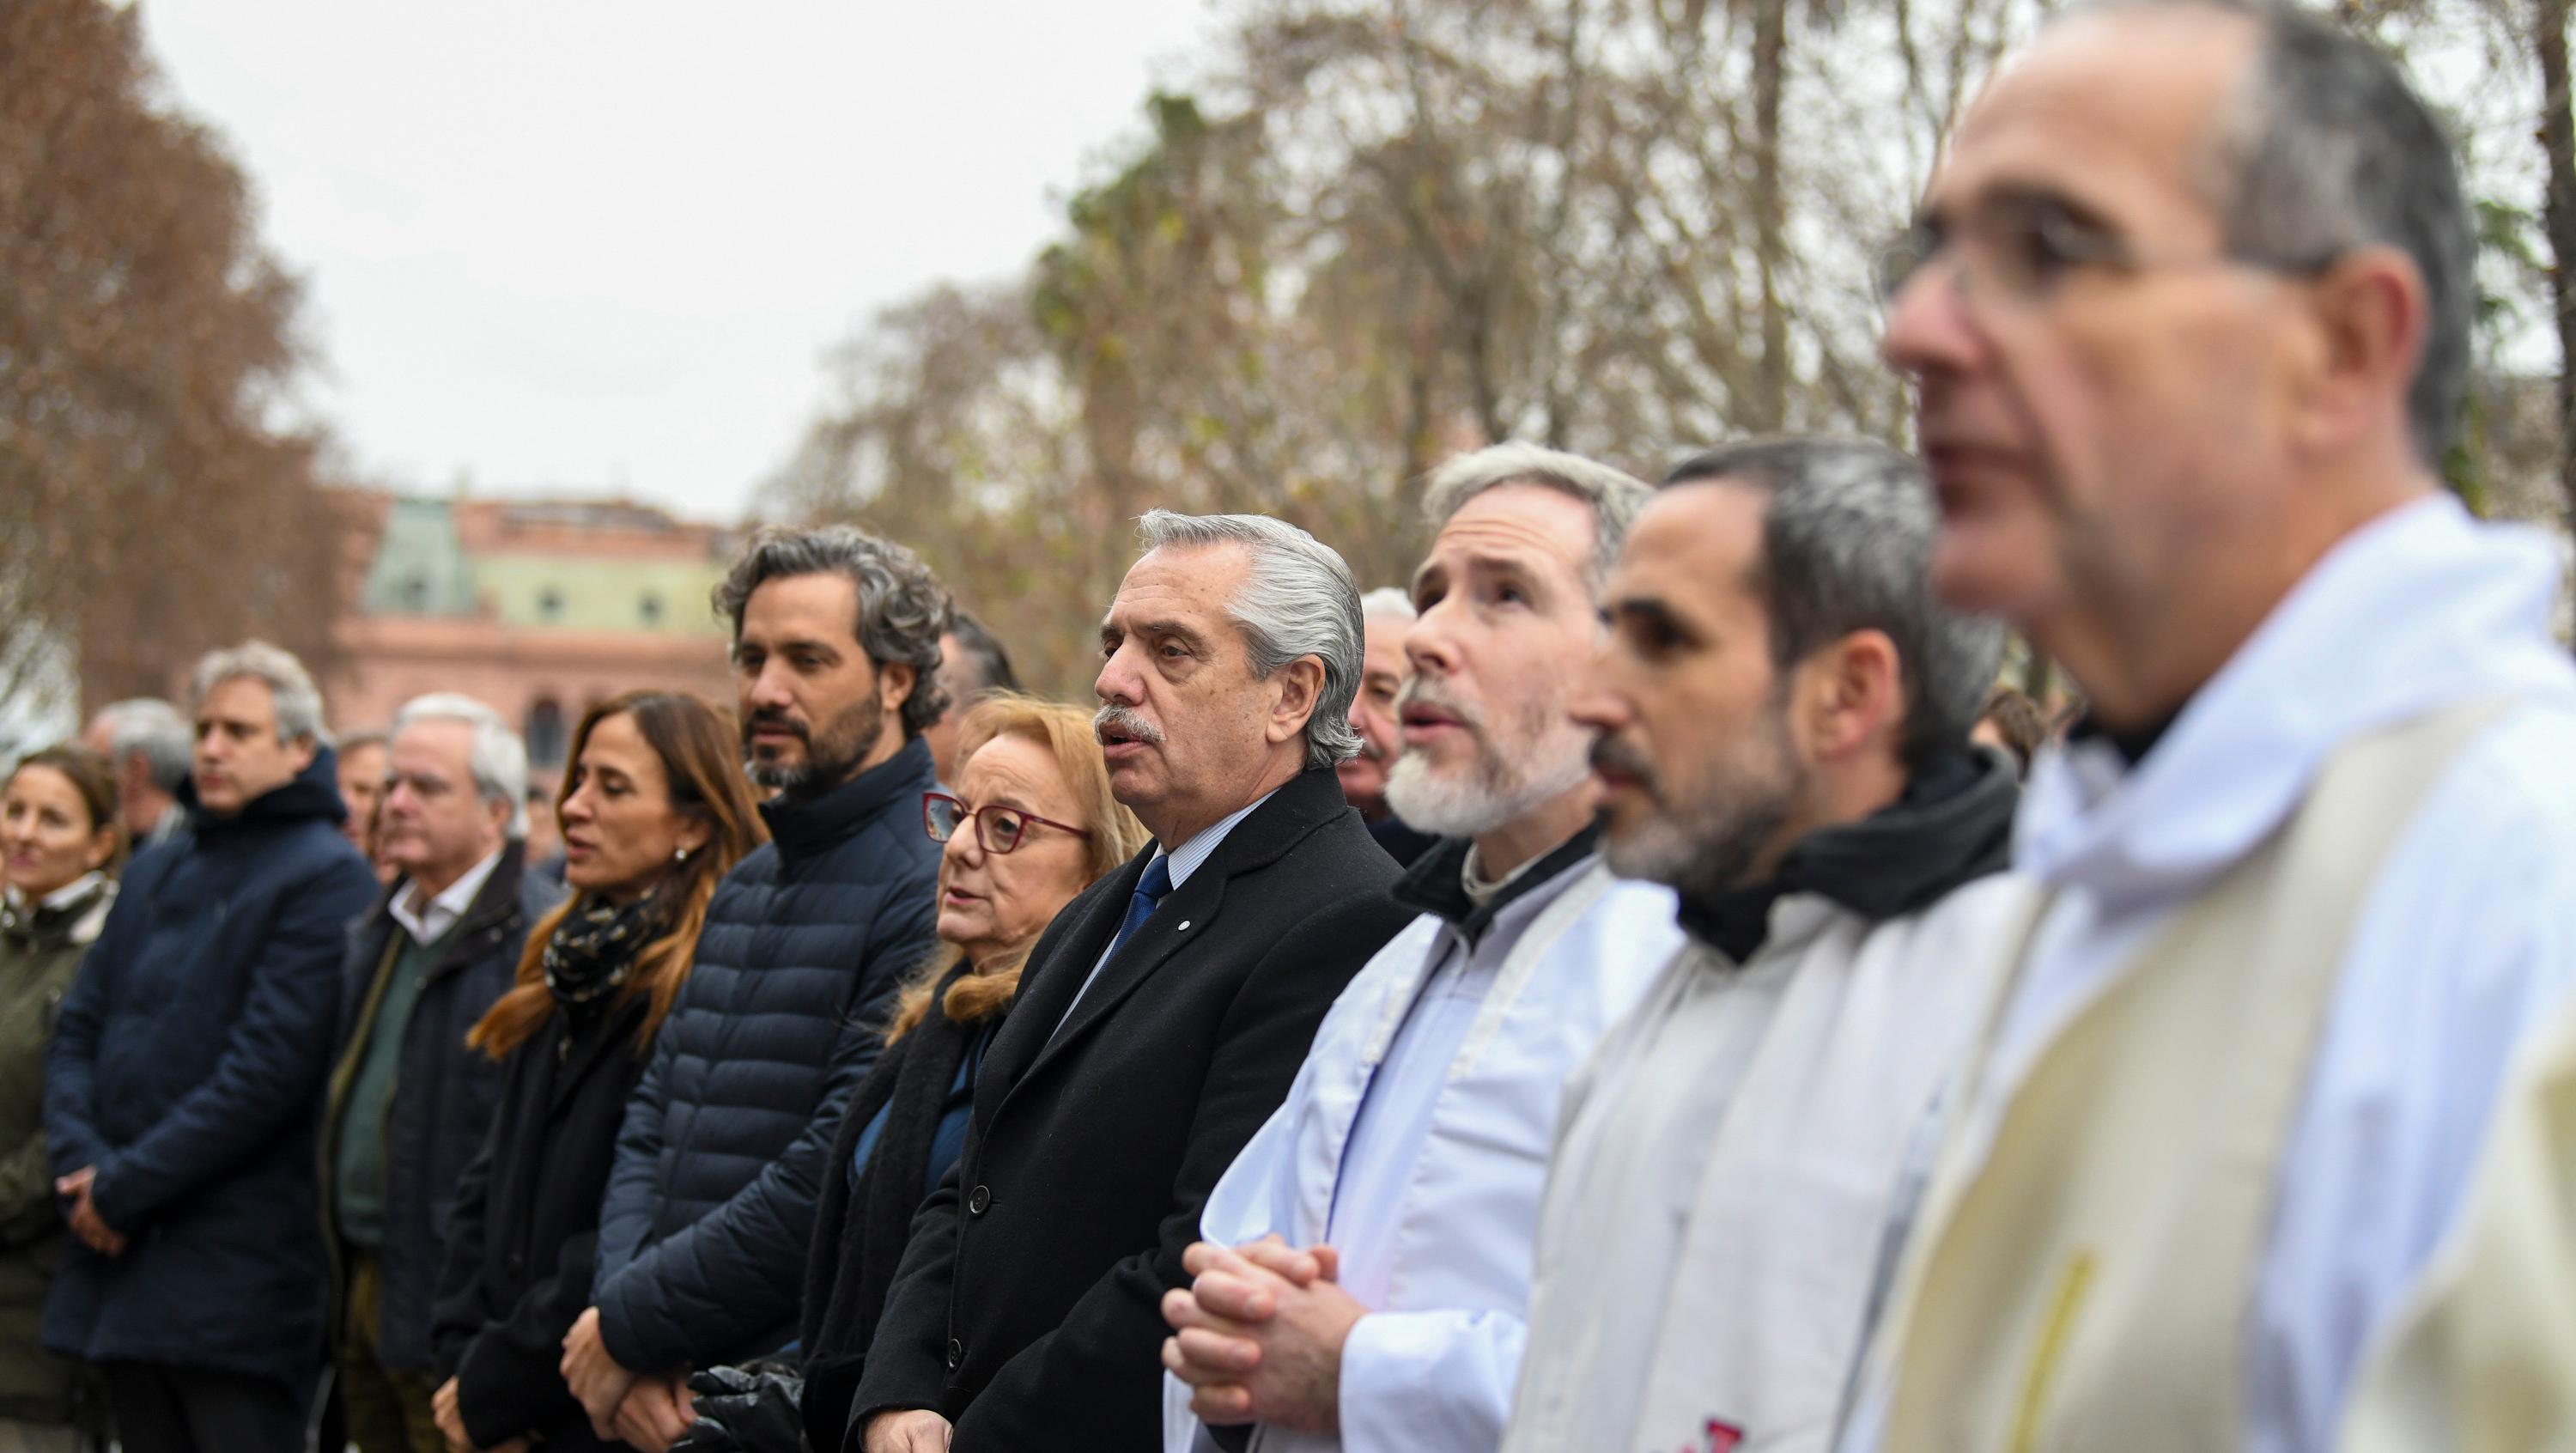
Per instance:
(1436,883)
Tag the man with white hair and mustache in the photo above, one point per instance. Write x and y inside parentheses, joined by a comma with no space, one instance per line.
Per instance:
(1162,1014)
(1366,1260)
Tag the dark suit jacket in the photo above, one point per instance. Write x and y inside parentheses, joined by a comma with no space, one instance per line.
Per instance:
(443,1093)
(1027,1307)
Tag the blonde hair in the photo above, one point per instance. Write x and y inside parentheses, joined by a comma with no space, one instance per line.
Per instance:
(1116,836)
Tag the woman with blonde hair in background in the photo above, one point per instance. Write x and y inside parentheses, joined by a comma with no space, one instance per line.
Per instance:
(58,840)
(655,811)
(1031,824)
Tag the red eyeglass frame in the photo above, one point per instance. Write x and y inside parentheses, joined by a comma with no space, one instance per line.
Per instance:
(977,815)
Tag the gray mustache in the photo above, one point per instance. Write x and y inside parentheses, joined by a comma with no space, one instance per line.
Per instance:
(1126,723)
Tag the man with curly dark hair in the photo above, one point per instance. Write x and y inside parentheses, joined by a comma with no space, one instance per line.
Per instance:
(703,1232)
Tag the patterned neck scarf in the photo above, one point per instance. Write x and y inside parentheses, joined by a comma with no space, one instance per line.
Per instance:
(595,945)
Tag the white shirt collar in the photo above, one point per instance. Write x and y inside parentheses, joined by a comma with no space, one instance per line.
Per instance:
(61,897)
(70,893)
(426,923)
(2420,607)
(1186,858)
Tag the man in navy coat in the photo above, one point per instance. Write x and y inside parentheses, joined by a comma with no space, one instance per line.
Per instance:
(184,1084)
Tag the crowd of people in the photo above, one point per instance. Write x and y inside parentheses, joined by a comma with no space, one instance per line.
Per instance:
(1638,985)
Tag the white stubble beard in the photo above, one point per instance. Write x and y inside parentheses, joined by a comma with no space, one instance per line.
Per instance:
(1493,789)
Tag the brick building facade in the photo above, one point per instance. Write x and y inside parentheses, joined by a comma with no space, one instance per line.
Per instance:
(540,607)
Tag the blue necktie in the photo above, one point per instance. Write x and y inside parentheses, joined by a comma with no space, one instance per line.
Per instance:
(1140,906)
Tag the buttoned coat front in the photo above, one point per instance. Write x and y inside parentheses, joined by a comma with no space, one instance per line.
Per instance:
(1027,1310)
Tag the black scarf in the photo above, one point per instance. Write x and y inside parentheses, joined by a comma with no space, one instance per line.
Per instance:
(595,945)
(1952,826)
(859,1231)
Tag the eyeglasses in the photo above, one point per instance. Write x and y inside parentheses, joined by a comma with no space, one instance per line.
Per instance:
(998,829)
(2020,249)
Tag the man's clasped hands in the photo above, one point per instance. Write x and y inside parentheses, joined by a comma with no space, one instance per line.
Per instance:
(1258,1334)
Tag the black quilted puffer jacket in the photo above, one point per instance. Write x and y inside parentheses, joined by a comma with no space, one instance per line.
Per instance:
(704,1230)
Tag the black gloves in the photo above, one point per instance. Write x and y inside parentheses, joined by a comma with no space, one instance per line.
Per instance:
(746,1410)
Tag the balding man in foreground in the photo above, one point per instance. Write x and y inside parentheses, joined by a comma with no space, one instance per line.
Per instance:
(2188,306)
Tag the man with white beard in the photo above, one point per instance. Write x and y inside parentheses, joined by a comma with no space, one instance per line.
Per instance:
(1367,1257)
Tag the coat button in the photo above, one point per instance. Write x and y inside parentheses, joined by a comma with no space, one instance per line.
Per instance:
(956,1353)
(977,1199)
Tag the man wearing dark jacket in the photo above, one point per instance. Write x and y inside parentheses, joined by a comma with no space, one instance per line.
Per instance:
(186,1069)
(408,1102)
(1162,1015)
(702,1235)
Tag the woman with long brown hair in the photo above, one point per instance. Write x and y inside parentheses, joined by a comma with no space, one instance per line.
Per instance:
(655,812)
(1029,824)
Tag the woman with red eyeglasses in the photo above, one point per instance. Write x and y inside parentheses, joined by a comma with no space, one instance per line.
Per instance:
(1030,823)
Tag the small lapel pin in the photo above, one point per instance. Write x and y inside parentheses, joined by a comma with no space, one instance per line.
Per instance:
(1185,925)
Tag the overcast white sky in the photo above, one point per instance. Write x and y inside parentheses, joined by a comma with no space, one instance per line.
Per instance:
(573,246)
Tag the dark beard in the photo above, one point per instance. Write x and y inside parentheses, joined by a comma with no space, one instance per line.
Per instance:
(832,756)
(1706,848)
(1725,855)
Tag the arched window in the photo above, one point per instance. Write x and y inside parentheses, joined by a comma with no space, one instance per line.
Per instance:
(545,733)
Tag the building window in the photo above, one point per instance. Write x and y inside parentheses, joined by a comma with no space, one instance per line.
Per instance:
(545,733)
(550,603)
(416,592)
(651,608)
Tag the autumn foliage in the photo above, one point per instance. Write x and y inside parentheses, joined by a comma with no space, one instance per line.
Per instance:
(151,504)
(1368,233)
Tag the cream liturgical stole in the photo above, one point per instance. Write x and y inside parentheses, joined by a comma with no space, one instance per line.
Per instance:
(2085,1286)
(2484,1361)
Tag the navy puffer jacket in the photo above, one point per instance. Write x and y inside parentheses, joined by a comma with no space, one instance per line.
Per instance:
(704,1230)
(187,1066)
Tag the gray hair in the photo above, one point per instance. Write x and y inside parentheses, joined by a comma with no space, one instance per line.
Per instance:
(291,691)
(1614,497)
(1388,603)
(1299,600)
(497,758)
(903,609)
(1847,546)
(153,729)
(2326,149)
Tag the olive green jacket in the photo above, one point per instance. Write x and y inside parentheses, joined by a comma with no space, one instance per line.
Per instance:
(40,951)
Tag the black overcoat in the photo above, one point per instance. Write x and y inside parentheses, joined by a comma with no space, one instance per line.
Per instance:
(1027,1307)
(524,1234)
